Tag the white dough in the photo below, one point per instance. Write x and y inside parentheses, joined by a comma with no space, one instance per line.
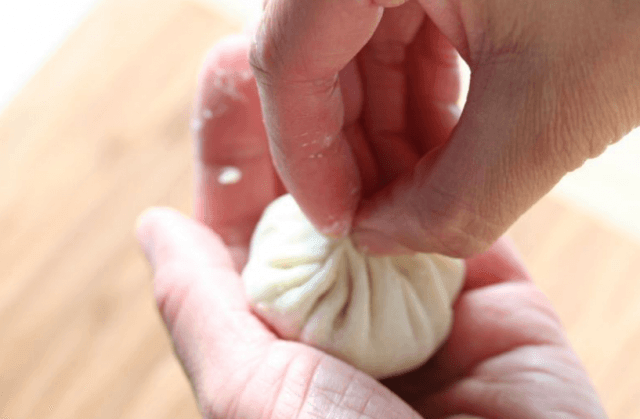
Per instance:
(384,315)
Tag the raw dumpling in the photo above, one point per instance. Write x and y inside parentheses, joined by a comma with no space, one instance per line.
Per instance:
(384,315)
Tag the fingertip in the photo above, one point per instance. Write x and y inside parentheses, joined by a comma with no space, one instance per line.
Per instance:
(150,218)
(149,215)
(225,75)
(145,231)
(226,122)
(508,251)
(165,233)
(142,225)
(230,50)
(502,262)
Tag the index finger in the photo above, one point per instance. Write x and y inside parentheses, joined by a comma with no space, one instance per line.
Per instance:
(234,177)
(298,51)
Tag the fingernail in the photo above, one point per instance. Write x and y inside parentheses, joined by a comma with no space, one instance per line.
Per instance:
(144,236)
(375,243)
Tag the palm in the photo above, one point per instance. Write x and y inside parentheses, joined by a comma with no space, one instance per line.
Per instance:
(506,356)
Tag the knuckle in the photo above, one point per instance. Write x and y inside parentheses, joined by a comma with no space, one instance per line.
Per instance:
(265,59)
(256,62)
(272,67)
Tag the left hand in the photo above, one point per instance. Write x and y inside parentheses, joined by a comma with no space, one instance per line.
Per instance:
(507,355)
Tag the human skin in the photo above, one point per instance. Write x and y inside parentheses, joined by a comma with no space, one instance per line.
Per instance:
(507,355)
(360,109)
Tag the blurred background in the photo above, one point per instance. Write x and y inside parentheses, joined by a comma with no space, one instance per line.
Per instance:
(95,101)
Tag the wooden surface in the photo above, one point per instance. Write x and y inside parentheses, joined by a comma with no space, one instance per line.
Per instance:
(100,134)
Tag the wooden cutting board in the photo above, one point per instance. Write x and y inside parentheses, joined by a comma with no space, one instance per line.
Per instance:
(101,133)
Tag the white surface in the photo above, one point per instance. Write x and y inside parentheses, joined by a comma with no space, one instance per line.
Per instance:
(31,31)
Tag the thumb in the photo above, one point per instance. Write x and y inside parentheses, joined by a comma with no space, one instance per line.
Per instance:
(201,300)
(516,138)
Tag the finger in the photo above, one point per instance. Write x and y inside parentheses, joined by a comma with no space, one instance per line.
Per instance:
(383,62)
(234,175)
(434,79)
(200,297)
(299,50)
(501,263)
(499,161)
(354,133)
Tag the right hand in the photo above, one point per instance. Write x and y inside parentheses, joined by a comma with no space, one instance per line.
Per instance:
(360,109)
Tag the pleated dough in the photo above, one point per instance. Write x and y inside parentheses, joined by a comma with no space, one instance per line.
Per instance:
(384,315)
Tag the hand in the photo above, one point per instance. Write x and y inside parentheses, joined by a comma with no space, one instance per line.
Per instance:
(360,108)
(506,357)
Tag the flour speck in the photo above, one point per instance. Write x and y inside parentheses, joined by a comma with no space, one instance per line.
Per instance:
(229,175)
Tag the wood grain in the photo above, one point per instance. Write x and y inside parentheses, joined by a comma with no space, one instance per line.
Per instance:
(101,133)
(591,273)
